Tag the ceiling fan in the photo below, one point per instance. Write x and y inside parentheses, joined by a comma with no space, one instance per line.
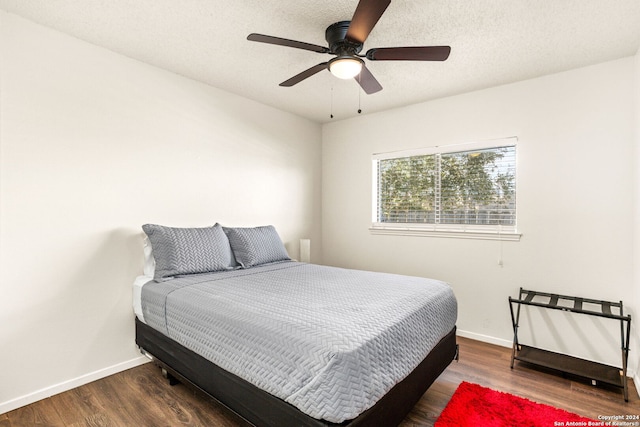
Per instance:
(346,39)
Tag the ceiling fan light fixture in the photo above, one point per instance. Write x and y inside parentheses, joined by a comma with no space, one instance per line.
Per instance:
(345,67)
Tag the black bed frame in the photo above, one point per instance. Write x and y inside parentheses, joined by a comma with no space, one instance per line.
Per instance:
(263,409)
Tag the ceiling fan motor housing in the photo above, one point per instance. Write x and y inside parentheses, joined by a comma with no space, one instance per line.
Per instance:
(336,37)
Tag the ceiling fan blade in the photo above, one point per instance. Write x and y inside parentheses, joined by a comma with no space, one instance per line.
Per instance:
(286,42)
(305,74)
(367,82)
(418,53)
(367,14)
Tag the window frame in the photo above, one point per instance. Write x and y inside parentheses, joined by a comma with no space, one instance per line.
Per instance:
(465,231)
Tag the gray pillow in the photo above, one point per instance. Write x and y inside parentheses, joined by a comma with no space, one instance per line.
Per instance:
(256,246)
(188,250)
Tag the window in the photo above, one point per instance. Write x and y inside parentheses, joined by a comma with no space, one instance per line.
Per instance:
(460,191)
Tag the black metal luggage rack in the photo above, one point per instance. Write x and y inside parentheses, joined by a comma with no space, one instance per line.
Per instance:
(596,372)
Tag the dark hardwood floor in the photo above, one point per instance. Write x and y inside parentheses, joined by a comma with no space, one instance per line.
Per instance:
(142,397)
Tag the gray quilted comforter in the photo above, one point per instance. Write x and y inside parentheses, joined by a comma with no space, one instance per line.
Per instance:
(329,341)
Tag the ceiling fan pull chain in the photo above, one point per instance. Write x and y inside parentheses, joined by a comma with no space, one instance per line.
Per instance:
(359,94)
(331,112)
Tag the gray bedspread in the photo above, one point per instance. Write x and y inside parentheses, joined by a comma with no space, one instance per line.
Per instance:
(329,341)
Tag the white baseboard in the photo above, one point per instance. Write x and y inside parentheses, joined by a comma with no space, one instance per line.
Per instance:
(69,384)
(484,338)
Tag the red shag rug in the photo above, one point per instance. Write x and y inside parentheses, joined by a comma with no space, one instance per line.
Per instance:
(474,405)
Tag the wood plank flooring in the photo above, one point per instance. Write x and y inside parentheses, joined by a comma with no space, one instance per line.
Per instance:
(142,397)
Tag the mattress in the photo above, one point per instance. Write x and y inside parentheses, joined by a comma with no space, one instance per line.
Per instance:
(138,283)
(327,340)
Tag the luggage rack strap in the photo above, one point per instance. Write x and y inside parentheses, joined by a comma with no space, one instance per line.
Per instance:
(577,305)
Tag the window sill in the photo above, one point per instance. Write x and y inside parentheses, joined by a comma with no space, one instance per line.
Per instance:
(402,230)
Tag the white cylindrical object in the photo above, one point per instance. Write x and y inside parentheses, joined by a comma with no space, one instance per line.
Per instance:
(305,250)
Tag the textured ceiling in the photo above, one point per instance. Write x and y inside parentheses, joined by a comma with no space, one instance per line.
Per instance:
(493,42)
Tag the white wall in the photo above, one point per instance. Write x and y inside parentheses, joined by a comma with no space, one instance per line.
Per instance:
(636,214)
(92,146)
(574,182)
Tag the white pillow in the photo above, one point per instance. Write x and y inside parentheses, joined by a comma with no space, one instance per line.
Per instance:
(149,268)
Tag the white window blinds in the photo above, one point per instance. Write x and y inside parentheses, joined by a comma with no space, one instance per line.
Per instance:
(451,189)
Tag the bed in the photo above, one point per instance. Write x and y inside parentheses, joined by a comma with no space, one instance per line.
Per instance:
(284,343)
